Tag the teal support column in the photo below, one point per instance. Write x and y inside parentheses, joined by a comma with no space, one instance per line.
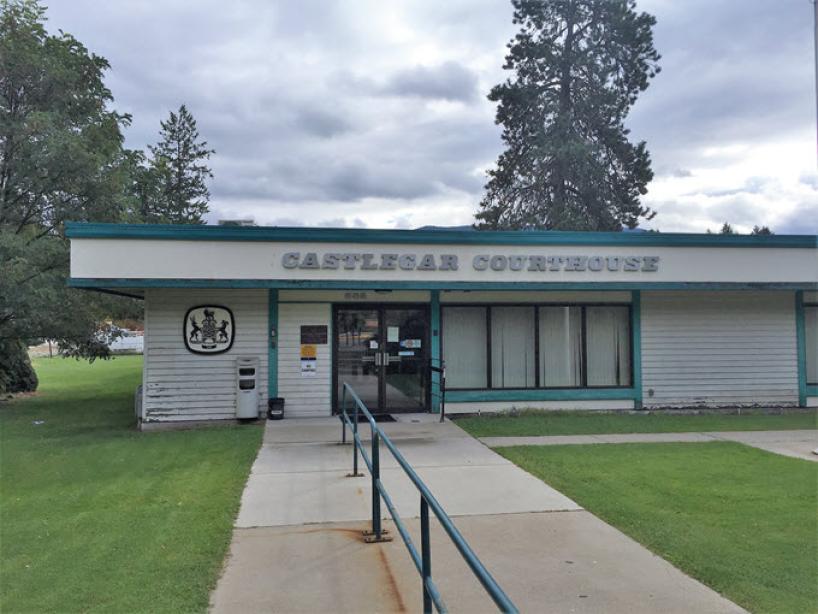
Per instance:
(636,327)
(801,347)
(435,349)
(272,344)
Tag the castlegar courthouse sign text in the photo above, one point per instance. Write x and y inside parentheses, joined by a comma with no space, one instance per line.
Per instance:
(481,262)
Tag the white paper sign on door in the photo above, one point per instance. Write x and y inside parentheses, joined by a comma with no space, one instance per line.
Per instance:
(392,334)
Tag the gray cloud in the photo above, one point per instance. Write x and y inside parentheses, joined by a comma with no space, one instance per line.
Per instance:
(803,219)
(380,111)
(449,81)
(731,72)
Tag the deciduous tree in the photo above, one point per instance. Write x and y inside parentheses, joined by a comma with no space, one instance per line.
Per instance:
(61,158)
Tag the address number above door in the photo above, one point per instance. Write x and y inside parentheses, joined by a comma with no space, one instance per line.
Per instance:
(209,329)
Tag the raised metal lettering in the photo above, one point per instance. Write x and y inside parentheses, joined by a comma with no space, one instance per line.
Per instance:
(516,263)
(367,264)
(290,260)
(407,262)
(329,261)
(427,263)
(480,263)
(498,263)
(350,260)
(310,262)
(576,263)
(389,262)
(448,262)
(555,262)
(536,263)
(632,263)
(650,264)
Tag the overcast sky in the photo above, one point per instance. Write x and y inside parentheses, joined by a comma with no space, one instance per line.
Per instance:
(372,113)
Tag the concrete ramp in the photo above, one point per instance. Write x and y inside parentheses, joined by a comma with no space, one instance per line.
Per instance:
(298,483)
(298,548)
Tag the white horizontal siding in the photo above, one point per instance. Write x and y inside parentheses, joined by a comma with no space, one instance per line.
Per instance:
(303,396)
(180,385)
(719,348)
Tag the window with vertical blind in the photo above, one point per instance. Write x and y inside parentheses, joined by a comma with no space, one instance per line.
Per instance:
(537,346)
(465,347)
(608,346)
(512,347)
(811,343)
(560,336)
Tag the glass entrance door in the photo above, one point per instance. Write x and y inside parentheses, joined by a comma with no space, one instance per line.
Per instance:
(382,352)
(358,339)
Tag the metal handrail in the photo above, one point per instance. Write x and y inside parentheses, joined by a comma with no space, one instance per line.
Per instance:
(422,560)
(441,370)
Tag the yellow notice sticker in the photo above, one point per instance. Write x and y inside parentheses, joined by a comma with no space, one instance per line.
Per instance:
(308,351)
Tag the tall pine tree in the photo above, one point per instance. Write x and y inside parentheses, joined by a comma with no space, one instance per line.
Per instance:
(173,188)
(568,165)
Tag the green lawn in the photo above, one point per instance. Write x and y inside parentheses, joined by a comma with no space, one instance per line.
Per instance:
(741,520)
(97,517)
(585,423)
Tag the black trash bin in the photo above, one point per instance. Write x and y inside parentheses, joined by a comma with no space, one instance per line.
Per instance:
(275,408)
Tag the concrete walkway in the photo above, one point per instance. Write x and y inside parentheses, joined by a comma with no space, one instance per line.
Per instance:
(798,444)
(297,545)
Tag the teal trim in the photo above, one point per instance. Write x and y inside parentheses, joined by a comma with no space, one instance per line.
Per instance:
(437,359)
(541,394)
(272,352)
(636,349)
(812,391)
(339,284)
(194,232)
(801,348)
(332,357)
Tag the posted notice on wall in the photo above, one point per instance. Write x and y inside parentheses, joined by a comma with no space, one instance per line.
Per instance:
(309,360)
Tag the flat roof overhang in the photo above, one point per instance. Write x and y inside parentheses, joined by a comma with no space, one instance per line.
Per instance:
(195,232)
(136,287)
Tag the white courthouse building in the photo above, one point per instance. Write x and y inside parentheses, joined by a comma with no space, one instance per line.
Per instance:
(551,320)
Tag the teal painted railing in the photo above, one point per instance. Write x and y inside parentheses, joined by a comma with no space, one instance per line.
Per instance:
(438,387)
(422,560)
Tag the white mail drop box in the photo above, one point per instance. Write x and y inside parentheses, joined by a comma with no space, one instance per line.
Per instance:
(246,388)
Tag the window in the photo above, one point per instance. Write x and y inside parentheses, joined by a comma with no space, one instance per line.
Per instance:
(560,347)
(512,347)
(811,342)
(537,346)
(465,347)
(608,346)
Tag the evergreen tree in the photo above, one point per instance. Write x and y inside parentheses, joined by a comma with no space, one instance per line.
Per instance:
(578,68)
(727,229)
(172,188)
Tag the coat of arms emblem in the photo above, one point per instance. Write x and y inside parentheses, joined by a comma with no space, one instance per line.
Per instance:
(209,329)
